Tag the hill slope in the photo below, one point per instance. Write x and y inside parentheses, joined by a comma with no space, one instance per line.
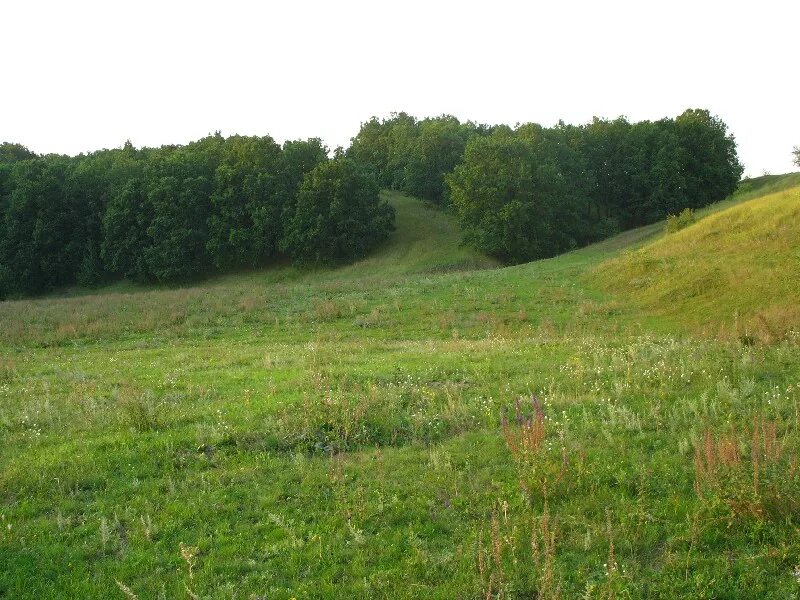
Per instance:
(426,242)
(734,272)
(358,433)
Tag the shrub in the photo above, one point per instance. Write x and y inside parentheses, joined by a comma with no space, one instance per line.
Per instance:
(680,221)
(140,412)
(541,469)
(758,479)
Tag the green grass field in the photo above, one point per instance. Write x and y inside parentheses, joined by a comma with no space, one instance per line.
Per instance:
(367,432)
(736,272)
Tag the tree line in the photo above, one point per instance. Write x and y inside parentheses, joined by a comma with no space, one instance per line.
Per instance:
(177,212)
(412,155)
(531,192)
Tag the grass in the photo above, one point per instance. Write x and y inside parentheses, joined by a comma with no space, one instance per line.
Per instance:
(369,432)
(736,272)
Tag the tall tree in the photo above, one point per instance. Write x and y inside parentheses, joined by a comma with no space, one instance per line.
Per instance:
(125,231)
(338,215)
(11,153)
(246,202)
(512,198)
(37,251)
(434,152)
(370,147)
(712,168)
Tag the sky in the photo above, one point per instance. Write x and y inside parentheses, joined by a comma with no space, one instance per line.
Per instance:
(78,76)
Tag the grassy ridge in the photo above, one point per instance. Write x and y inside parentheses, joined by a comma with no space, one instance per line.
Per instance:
(427,242)
(735,272)
(290,434)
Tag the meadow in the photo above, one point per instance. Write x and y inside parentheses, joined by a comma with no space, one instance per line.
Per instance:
(620,421)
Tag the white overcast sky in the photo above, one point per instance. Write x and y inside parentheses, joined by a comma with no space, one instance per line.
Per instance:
(78,76)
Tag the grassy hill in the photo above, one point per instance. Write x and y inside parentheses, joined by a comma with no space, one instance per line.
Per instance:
(735,272)
(426,243)
(368,432)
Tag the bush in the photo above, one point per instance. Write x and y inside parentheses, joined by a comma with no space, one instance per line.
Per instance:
(680,221)
(756,478)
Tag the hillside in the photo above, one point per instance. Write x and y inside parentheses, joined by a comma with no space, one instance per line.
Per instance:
(735,272)
(368,432)
(426,241)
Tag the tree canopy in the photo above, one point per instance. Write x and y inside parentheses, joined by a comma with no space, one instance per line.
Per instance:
(533,192)
(177,212)
(338,215)
(413,155)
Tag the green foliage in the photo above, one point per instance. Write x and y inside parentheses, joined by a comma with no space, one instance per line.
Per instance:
(534,192)
(796,153)
(299,158)
(125,224)
(712,168)
(519,197)
(178,212)
(412,155)
(249,438)
(37,248)
(178,190)
(647,170)
(246,203)
(588,181)
(338,215)
(435,151)
(167,214)
(680,221)
(11,153)
(89,184)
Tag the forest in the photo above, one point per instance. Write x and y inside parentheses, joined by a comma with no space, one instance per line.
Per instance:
(532,192)
(177,212)
(180,212)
